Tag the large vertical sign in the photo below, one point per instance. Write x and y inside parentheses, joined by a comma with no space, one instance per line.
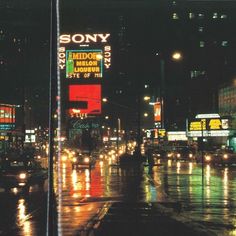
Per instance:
(157,115)
(85,99)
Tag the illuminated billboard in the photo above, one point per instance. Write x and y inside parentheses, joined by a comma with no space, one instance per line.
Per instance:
(208,127)
(7,114)
(157,112)
(84,64)
(7,117)
(84,99)
(96,46)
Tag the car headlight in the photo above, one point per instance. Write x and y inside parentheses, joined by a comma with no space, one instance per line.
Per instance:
(22,176)
(207,158)
(64,158)
(169,154)
(74,159)
(86,160)
(178,155)
(225,156)
(190,155)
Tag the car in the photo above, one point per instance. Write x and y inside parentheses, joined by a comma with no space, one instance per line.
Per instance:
(83,159)
(208,157)
(21,172)
(226,157)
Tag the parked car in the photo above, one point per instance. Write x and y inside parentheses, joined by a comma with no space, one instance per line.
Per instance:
(21,172)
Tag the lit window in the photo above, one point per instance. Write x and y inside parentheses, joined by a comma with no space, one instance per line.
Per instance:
(200,16)
(200,29)
(175,16)
(174,3)
(191,15)
(197,73)
(202,44)
(223,16)
(224,43)
(215,15)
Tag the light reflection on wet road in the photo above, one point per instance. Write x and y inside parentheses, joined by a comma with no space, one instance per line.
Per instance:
(213,205)
(85,193)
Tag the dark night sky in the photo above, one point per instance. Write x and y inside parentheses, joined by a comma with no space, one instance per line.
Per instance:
(148,29)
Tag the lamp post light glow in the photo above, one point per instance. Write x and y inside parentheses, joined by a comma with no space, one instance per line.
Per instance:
(176,56)
(146,98)
(104,100)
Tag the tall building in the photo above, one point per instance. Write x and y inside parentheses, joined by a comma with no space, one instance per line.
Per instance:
(207,39)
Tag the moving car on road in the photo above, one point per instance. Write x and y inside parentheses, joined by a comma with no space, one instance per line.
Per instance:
(21,172)
(83,159)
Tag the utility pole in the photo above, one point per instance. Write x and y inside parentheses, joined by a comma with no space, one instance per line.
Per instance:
(51,229)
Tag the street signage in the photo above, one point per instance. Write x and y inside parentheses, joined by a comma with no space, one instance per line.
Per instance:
(208,127)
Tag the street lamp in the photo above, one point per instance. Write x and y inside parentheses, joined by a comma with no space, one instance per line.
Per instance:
(176,56)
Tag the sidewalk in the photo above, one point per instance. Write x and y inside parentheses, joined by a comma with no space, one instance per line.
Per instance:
(143,219)
(140,219)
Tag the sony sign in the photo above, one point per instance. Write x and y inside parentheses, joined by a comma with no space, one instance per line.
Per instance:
(83,38)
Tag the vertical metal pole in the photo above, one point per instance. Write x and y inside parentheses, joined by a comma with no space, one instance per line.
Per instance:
(162,92)
(202,155)
(117,140)
(51,203)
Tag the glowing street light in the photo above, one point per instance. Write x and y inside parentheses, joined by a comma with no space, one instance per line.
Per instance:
(146,98)
(176,56)
(104,100)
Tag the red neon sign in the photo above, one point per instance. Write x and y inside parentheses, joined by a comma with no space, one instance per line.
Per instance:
(85,94)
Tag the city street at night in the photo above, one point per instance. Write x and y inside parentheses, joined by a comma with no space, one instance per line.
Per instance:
(118,118)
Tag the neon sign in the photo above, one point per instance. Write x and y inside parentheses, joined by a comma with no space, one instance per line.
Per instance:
(83,38)
(84,64)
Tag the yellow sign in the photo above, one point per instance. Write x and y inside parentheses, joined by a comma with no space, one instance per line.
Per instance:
(198,125)
(84,64)
(162,132)
(215,124)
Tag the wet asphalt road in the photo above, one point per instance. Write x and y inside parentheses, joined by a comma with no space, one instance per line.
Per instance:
(85,196)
